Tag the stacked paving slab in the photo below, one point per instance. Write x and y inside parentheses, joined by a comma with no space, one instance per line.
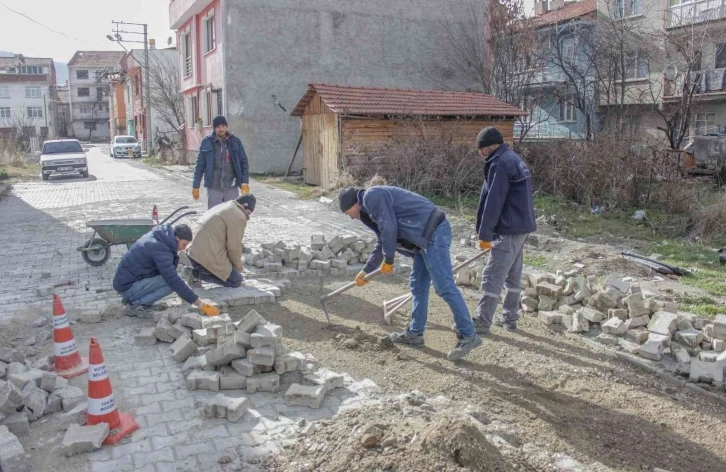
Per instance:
(640,323)
(219,354)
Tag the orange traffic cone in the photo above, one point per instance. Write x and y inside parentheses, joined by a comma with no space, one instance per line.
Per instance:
(101,402)
(68,362)
(155,215)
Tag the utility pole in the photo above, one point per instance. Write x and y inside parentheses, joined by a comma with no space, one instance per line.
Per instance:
(146,95)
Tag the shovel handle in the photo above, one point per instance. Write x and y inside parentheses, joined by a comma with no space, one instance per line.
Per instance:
(469,261)
(347,287)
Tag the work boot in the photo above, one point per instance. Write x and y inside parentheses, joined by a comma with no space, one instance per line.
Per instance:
(413,340)
(138,311)
(190,275)
(481,328)
(510,326)
(464,347)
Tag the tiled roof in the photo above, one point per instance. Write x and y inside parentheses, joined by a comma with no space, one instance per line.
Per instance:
(27,61)
(105,59)
(389,101)
(569,12)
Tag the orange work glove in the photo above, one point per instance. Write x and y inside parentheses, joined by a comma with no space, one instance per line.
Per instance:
(484,245)
(360,279)
(208,309)
(386,269)
(245,189)
(195,193)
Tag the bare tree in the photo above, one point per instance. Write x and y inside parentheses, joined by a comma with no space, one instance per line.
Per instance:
(494,50)
(166,98)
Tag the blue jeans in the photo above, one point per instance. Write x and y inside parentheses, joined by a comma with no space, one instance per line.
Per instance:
(503,270)
(234,280)
(147,291)
(434,265)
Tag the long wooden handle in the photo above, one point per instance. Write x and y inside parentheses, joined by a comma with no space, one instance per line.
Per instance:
(469,261)
(347,287)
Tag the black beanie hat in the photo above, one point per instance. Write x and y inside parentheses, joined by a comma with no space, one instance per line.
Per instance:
(248,201)
(489,136)
(219,120)
(183,232)
(348,197)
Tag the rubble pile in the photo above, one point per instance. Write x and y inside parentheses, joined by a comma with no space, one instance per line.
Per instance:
(219,354)
(640,323)
(323,257)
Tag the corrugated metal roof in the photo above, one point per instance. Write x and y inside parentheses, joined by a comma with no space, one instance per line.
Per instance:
(392,101)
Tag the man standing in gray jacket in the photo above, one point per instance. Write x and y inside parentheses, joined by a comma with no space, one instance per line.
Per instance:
(413,226)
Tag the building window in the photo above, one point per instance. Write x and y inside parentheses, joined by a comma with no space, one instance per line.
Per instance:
(705,123)
(567,109)
(31,70)
(208,107)
(210,34)
(99,94)
(4,91)
(636,66)
(219,102)
(85,109)
(82,74)
(187,54)
(35,112)
(628,8)
(32,92)
(720,56)
(84,92)
(4,112)
(568,45)
(89,125)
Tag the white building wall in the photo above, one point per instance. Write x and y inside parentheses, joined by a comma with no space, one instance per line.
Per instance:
(18,102)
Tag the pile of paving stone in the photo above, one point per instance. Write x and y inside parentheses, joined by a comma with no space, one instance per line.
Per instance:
(322,257)
(219,354)
(640,323)
(29,391)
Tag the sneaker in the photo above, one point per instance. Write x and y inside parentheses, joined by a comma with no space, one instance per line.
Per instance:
(413,340)
(464,347)
(138,311)
(481,328)
(508,325)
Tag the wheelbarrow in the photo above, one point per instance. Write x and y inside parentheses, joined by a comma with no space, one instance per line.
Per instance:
(97,250)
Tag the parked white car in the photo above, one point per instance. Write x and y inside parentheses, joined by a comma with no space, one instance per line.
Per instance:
(125,146)
(63,157)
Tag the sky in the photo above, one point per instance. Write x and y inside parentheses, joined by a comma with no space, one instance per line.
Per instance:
(85,24)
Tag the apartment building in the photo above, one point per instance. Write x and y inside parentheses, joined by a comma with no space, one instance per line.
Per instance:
(88,80)
(28,97)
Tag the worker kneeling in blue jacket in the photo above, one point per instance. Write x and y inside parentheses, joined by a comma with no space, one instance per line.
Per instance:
(413,226)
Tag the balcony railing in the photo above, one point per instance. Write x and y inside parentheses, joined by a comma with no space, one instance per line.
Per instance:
(700,11)
(548,130)
(705,82)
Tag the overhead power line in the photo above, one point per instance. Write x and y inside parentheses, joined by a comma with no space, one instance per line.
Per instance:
(46,26)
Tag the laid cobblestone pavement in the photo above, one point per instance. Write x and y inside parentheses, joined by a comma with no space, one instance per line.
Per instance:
(44,222)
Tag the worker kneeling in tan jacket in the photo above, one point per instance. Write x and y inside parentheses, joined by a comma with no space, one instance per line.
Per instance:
(216,252)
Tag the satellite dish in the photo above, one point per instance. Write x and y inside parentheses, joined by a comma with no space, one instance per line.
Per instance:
(670,72)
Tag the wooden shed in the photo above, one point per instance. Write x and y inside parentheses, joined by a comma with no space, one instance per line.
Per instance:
(339,120)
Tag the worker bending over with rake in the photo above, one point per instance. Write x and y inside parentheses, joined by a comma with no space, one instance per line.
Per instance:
(413,226)
(504,219)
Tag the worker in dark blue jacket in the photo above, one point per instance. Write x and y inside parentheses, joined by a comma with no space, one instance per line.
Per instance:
(147,272)
(413,226)
(504,219)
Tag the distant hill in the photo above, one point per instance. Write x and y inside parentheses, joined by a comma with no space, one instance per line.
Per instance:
(6,54)
(61,73)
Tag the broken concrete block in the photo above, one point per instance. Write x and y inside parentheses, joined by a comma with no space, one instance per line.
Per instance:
(706,372)
(230,380)
(44,363)
(550,290)
(70,397)
(263,383)
(607,339)
(12,454)
(8,356)
(653,348)
(618,283)
(546,303)
(317,242)
(77,415)
(54,405)
(225,354)
(530,302)
(294,361)
(10,398)
(638,321)
(636,306)
(310,396)
(580,324)
(79,439)
(177,330)
(325,254)
(708,356)
(48,382)
(243,367)
(583,295)
(35,400)
(719,327)
(707,333)
(250,322)
(262,356)
(90,316)
(195,363)
(603,301)
(628,346)
(592,315)
(227,407)
(242,339)
(326,378)
(192,321)
(684,324)
(680,354)
(216,322)
(202,380)
(614,326)
(635,288)
(145,337)
(206,336)
(718,345)
(618,313)
(636,335)
(663,323)
(17,368)
(17,423)
(183,348)
(550,318)
(163,331)
(3,369)
(272,267)
(22,378)
(690,337)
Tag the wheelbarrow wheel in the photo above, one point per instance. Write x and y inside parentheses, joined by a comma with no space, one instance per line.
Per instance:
(99,254)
